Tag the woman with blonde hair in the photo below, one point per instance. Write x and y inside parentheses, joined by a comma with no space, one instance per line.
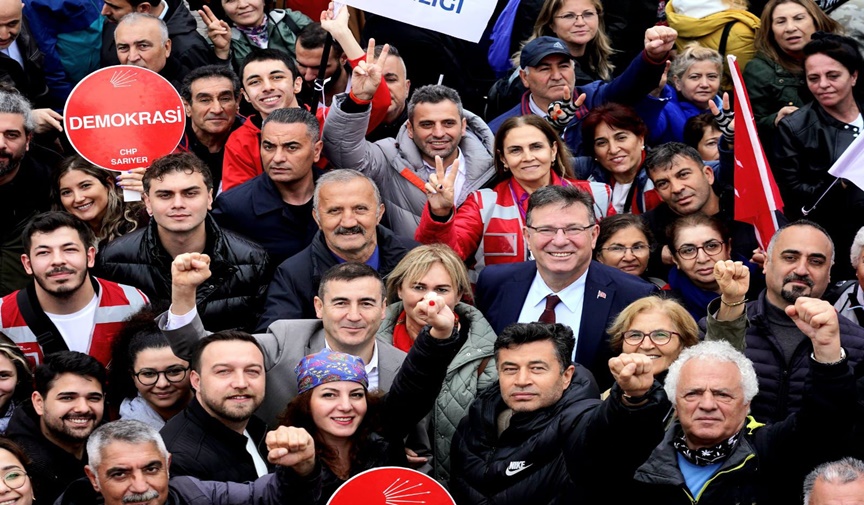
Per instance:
(694,83)
(579,23)
(436,268)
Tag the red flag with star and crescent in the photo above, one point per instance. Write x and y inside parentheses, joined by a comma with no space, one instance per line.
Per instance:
(756,194)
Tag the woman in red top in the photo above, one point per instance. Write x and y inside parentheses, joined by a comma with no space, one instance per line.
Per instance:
(487,229)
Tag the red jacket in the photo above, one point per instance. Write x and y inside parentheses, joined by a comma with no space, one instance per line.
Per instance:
(243,149)
(116,302)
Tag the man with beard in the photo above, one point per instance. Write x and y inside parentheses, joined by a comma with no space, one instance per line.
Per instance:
(437,126)
(797,267)
(65,308)
(347,207)
(66,407)
(24,187)
(218,426)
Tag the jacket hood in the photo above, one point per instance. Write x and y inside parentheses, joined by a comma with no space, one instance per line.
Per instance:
(692,28)
(477,137)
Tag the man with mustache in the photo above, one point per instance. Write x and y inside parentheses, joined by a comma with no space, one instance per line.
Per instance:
(347,207)
(211,96)
(130,464)
(67,405)
(687,186)
(797,266)
(64,307)
(219,424)
(350,305)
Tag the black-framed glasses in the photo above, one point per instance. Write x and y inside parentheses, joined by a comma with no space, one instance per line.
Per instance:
(659,337)
(570,17)
(14,478)
(148,376)
(550,231)
(690,251)
(620,250)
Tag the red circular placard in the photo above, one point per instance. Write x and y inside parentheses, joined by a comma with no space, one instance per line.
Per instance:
(391,485)
(124,117)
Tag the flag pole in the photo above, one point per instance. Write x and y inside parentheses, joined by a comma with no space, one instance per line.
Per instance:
(806,211)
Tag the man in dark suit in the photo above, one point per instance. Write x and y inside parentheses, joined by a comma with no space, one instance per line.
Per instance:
(350,306)
(563,284)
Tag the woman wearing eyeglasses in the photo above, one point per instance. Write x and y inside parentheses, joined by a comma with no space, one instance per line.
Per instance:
(698,242)
(488,228)
(148,381)
(15,487)
(625,242)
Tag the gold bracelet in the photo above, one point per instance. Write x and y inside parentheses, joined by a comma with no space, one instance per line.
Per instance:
(724,302)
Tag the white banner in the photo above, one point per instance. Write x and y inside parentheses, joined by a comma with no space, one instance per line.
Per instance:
(464,19)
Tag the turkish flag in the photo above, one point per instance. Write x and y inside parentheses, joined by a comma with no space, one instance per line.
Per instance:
(756,194)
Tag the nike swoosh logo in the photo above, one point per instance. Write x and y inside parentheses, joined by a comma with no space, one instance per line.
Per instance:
(509,472)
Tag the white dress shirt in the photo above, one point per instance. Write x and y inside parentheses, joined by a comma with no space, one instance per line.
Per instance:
(568,312)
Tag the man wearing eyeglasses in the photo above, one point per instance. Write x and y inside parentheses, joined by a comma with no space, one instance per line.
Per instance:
(217,436)
(562,284)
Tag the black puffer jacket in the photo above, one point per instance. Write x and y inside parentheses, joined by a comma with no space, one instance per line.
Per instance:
(230,298)
(552,455)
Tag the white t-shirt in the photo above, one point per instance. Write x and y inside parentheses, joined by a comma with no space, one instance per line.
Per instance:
(858,122)
(77,328)
(619,195)
(260,466)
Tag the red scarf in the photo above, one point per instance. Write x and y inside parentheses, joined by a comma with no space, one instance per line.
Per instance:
(401,339)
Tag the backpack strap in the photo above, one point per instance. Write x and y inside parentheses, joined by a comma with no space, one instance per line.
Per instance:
(46,333)
(724,38)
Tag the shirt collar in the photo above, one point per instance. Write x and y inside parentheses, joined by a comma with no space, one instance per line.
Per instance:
(431,168)
(373,363)
(569,296)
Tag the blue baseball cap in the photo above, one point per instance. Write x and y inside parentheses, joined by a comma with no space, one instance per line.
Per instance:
(541,47)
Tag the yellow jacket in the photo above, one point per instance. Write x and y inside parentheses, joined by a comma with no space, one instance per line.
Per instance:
(708,31)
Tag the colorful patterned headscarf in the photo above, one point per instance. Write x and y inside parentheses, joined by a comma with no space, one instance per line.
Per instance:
(329,366)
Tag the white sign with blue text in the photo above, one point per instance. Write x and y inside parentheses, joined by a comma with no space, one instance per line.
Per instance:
(464,19)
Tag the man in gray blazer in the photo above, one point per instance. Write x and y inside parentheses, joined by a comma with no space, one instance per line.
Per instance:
(350,306)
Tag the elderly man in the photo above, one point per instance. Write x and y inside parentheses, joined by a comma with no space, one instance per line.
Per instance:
(211,96)
(347,207)
(129,464)
(350,305)
(548,71)
(535,436)
(142,40)
(838,482)
(716,452)
(848,296)
(562,284)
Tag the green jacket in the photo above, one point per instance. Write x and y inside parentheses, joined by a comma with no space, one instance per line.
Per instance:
(770,87)
(463,381)
(280,35)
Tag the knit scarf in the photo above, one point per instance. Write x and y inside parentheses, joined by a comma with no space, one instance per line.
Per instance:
(707,455)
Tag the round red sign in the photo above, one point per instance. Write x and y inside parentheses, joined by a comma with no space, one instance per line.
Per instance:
(124,117)
(391,485)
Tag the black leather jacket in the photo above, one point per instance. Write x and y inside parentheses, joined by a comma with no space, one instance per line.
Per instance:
(230,298)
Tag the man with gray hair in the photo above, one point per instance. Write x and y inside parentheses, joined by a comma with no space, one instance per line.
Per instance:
(275,207)
(717,452)
(142,40)
(848,296)
(128,463)
(347,208)
(24,187)
(437,126)
(838,482)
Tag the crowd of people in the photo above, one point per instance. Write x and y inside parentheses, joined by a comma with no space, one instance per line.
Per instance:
(512,265)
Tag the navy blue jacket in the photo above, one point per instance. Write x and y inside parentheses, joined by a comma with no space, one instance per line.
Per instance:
(501,292)
(255,209)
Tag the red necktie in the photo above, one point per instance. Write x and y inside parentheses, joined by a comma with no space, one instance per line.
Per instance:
(548,315)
